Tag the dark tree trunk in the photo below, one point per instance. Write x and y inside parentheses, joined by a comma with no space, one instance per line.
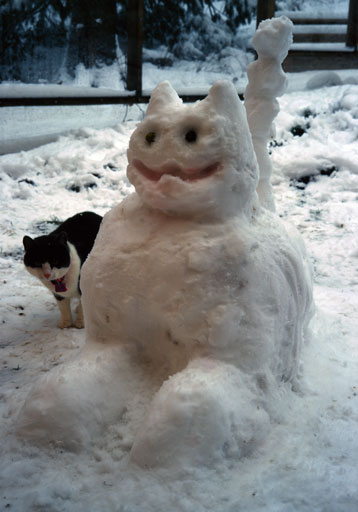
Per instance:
(265,10)
(352,32)
(92,38)
(135,41)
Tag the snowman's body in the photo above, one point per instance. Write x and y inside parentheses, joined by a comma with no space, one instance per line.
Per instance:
(193,288)
(195,281)
(170,289)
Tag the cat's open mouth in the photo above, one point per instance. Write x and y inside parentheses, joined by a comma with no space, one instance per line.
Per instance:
(176,171)
(59,284)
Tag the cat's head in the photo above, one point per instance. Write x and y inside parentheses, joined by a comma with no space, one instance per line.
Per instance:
(194,159)
(47,257)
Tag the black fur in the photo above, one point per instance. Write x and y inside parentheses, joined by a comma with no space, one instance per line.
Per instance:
(50,248)
(80,230)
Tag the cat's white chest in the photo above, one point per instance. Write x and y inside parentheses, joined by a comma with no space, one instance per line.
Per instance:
(69,277)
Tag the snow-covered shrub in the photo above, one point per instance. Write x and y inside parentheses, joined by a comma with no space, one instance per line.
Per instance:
(210,30)
(47,40)
(230,61)
(289,5)
(201,37)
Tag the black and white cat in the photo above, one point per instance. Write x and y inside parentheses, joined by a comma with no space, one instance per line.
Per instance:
(56,259)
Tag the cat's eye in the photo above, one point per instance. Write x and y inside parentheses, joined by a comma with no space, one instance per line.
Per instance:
(150,137)
(191,136)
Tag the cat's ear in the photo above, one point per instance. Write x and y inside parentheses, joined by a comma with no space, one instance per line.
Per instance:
(224,98)
(163,96)
(62,237)
(28,242)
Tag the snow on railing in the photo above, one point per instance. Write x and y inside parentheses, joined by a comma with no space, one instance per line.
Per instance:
(25,95)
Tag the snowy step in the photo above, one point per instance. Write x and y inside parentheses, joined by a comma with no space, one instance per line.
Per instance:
(321,47)
(320,29)
(319,33)
(322,56)
(323,27)
(316,18)
(319,37)
(319,42)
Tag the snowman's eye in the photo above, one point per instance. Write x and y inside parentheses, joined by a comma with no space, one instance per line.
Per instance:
(150,137)
(191,136)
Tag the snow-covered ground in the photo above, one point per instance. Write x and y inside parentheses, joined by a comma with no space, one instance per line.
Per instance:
(309,459)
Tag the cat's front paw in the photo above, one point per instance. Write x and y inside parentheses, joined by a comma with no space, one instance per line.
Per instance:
(65,323)
(79,323)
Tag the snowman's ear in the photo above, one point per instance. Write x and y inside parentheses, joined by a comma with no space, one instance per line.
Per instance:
(225,100)
(163,97)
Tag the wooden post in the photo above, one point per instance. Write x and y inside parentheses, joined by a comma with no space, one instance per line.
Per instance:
(352,28)
(265,9)
(135,41)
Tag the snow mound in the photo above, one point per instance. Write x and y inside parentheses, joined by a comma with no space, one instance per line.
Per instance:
(329,79)
(349,100)
(324,79)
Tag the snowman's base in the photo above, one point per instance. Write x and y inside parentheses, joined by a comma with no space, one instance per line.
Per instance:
(72,404)
(208,412)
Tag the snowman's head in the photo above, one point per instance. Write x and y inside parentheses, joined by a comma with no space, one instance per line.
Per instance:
(194,159)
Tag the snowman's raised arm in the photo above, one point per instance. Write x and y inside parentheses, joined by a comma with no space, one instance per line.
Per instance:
(267,81)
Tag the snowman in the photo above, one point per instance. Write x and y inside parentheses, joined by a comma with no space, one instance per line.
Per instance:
(194,288)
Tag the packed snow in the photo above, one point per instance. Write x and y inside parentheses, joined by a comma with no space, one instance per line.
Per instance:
(267,81)
(307,458)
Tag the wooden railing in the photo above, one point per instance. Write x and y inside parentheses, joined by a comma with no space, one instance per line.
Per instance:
(265,9)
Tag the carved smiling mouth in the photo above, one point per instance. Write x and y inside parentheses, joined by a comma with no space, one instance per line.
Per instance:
(175,170)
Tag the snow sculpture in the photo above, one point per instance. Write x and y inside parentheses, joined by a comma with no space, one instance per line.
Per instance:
(195,297)
(266,82)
